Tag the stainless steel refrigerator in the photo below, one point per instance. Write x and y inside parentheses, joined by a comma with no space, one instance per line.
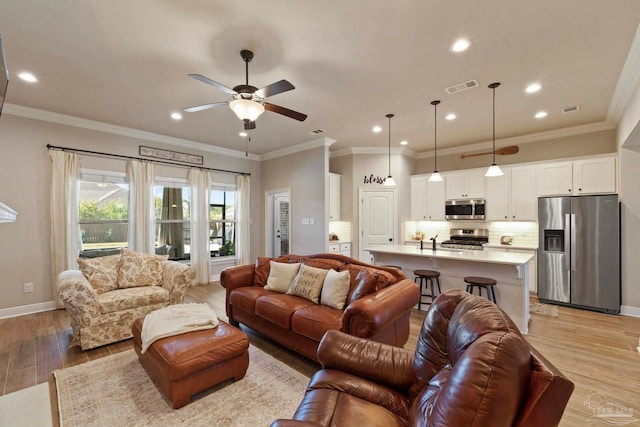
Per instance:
(579,252)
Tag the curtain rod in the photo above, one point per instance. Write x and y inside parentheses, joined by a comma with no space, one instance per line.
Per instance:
(119,156)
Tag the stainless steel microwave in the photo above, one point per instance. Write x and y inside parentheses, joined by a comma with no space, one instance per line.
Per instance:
(464,209)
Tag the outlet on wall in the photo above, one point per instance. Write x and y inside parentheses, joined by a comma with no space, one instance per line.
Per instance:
(28,288)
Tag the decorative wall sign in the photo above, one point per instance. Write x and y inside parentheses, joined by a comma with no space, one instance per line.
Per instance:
(374,179)
(171,155)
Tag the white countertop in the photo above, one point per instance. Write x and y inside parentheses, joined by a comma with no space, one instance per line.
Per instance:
(513,246)
(493,257)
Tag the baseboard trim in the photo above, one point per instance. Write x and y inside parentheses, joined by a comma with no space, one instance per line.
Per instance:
(627,310)
(27,309)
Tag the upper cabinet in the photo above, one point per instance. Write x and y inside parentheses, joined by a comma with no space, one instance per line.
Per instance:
(465,185)
(512,196)
(334,197)
(427,199)
(574,178)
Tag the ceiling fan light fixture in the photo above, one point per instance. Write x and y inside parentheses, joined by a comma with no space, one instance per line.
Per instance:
(246,109)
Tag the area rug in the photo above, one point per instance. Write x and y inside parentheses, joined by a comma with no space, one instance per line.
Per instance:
(544,309)
(116,391)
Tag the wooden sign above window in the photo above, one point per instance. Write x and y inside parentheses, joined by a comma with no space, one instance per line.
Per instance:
(171,155)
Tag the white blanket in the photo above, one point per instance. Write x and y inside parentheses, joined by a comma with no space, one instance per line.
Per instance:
(176,319)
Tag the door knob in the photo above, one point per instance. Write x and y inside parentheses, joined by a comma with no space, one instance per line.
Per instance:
(390,239)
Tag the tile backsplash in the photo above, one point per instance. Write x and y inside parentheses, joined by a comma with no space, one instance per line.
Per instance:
(342,229)
(524,233)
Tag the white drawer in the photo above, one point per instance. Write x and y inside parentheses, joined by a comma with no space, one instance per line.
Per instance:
(345,247)
(334,248)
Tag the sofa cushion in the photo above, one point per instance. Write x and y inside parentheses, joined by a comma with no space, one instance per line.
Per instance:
(308,283)
(313,321)
(366,280)
(278,308)
(245,298)
(101,272)
(281,276)
(124,299)
(324,263)
(335,289)
(140,269)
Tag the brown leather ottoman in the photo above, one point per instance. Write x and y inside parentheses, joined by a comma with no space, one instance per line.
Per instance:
(183,365)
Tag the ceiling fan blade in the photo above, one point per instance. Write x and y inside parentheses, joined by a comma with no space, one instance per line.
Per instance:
(208,81)
(285,111)
(205,106)
(274,89)
(249,125)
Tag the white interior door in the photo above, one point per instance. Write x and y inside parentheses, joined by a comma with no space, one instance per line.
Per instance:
(377,220)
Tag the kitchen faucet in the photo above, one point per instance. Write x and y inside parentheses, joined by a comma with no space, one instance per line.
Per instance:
(433,242)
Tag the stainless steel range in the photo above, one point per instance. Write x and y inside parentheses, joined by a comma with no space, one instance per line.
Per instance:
(466,238)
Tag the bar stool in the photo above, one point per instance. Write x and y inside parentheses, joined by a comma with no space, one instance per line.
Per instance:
(481,283)
(424,278)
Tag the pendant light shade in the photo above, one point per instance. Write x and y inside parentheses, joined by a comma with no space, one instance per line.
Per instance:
(389,181)
(494,169)
(435,176)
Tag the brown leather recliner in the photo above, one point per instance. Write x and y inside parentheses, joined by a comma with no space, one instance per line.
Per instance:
(471,367)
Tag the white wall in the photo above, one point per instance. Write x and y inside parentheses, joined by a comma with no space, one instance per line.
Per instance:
(305,173)
(25,175)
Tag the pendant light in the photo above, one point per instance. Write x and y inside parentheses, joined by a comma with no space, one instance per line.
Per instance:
(435,176)
(494,169)
(389,180)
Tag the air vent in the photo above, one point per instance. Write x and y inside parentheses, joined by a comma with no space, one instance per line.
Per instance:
(317,131)
(570,109)
(461,86)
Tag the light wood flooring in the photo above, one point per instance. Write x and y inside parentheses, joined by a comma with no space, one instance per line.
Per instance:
(596,351)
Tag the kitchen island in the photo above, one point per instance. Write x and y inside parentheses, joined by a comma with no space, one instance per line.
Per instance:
(512,271)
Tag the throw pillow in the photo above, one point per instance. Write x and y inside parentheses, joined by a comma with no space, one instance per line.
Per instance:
(139,269)
(101,272)
(308,283)
(281,276)
(335,289)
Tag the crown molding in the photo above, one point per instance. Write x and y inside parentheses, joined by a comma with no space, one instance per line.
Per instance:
(627,82)
(349,151)
(523,139)
(64,119)
(320,142)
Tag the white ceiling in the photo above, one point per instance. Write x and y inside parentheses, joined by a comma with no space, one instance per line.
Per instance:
(126,62)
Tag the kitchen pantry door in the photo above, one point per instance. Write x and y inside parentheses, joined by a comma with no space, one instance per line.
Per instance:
(377,219)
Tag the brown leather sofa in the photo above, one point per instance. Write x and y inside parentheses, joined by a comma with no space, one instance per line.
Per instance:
(471,368)
(377,306)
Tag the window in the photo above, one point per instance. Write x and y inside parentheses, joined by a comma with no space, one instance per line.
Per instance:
(172,205)
(103,214)
(222,225)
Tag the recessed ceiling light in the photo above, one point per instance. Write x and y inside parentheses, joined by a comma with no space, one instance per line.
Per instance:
(404,142)
(541,115)
(243,134)
(28,77)
(176,116)
(460,45)
(377,129)
(533,87)
(450,116)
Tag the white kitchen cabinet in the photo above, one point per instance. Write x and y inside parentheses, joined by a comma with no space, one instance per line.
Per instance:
(345,249)
(419,197)
(427,199)
(512,196)
(579,177)
(465,185)
(435,200)
(594,176)
(334,197)
(523,204)
(334,248)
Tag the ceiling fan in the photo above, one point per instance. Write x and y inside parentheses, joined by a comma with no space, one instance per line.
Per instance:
(249,101)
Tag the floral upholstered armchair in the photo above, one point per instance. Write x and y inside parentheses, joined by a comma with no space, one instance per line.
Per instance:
(109,293)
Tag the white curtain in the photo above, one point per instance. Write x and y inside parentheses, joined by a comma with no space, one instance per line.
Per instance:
(65,231)
(141,207)
(200,189)
(243,215)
